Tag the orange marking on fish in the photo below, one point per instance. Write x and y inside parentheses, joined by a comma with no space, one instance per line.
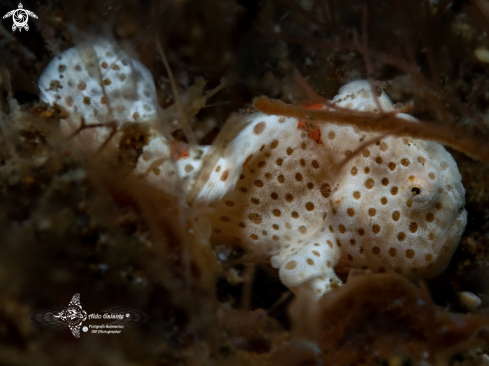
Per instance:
(177,152)
(313,132)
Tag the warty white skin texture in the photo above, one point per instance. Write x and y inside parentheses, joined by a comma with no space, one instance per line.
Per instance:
(398,206)
(101,83)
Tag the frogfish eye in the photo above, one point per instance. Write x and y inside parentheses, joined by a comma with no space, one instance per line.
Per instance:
(416,190)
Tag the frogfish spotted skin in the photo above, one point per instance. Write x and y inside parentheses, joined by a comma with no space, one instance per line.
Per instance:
(397,206)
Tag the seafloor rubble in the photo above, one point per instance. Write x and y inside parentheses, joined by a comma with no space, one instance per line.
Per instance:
(73,222)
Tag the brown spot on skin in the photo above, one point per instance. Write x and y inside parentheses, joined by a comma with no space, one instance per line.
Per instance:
(275,237)
(383,200)
(431,236)
(224,219)
(392,166)
(224,175)
(331,229)
(369,183)
(413,227)
(302,162)
(261,164)
(303,145)
(103,100)
(310,262)
(350,257)
(361,232)
(69,101)
(378,160)
(366,153)
(375,229)
(115,67)
(409,203)
(405,162)
(428,258)
(275,227)
(396,215)
(86,100)
(331,135)
(310,185)
(104,65)
(255,201)
(410,254)
(348,153)
(298,177)
(281,178)
(342,228)
(229,203)
(274,144)
(107,82)
(394,190)
(329,244)
(258,183)
(350,212)
(338,242)
(276,212)
(392,252)
(294,214)
(383,146)
(401,236)
(302,229)
(289,197)
(255,218)
(290,151)
(430,217)
(352,242)
(354,171)
(254,236)
(421,160)
(291,265)
(432,176)
(438,205)
(188,168)
(376,250)
(315,164)
(218,169)
(357,195)
(282,119)
(366,170)
(259,128)
(81,85)
(325,190)
(248,159)
(279,162)
(385,181)
(316,253)
(372,211)
(309,206)
(274,196)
